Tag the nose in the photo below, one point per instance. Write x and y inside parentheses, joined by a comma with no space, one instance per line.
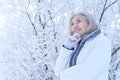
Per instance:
(75,26)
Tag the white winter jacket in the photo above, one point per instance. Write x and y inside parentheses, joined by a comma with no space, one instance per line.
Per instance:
(92,62)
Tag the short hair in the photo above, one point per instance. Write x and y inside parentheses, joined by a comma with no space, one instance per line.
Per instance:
(91,22)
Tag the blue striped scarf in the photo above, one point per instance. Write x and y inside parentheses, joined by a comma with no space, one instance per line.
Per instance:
(81,45)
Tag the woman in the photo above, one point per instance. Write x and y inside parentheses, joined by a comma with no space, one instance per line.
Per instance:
(86,54)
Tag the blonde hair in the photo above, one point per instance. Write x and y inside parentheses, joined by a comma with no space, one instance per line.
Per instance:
(91,22)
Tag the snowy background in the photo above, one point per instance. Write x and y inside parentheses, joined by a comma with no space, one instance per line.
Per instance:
(32,31)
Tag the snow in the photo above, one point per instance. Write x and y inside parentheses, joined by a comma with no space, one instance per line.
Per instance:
(26,56)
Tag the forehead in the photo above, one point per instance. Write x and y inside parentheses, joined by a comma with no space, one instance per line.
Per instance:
(77,17)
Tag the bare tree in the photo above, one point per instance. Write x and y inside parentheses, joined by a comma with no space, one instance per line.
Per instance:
(105,7)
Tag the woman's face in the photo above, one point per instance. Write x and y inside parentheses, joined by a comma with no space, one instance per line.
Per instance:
(79,25)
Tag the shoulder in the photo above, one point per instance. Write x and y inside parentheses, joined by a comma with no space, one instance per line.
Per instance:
(101,39)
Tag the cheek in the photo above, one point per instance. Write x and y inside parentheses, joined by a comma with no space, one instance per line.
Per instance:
(72,28)
(84,28)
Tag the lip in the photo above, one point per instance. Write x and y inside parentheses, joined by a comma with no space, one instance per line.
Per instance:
(77,30)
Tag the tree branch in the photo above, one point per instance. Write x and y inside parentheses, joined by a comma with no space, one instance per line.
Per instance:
(43,24)
(115,51)
(105,8)
(32,24)
(28,4)
(111,4)
(103,11)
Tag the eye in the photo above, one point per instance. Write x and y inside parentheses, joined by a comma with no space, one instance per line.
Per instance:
(79,20)
(72,24)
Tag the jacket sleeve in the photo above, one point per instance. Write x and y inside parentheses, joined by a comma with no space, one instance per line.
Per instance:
(62,60)
(96,63)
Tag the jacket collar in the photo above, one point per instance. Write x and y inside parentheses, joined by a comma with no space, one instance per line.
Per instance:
(81,45)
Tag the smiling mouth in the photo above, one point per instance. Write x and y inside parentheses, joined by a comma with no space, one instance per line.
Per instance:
(78,29)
